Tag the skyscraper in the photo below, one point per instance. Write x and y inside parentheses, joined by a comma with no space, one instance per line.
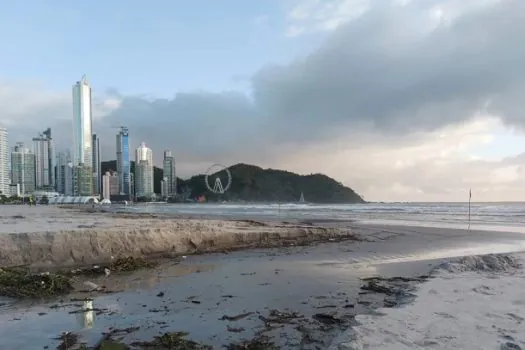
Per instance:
(43,149)
(110,184)
(143,171)
(82,138)
(23,169)
(64,175)
(123,161)
(97,176)
(169,174)
(4,163)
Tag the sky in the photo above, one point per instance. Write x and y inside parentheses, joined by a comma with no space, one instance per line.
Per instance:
(402,100)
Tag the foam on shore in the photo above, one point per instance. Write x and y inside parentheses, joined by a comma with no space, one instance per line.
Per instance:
(52,240)
(474,303)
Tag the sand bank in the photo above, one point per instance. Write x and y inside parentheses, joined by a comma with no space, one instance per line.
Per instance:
(45,236)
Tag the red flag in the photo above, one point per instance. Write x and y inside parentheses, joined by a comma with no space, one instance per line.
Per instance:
(470,194)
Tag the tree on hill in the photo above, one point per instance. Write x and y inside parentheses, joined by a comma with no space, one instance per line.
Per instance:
(252,183)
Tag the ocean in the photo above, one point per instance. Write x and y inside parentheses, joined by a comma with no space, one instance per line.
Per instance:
(509,217)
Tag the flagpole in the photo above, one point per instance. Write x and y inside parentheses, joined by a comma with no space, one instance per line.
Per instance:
(469,198)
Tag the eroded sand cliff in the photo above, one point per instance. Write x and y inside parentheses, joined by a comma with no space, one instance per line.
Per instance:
(45,236)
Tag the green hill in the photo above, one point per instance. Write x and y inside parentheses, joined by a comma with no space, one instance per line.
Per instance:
(254,184)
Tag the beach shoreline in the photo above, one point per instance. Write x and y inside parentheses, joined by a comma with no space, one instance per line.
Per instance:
(293,296)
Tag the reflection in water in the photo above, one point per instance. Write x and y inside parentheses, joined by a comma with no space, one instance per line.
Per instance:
(151,278)
(86,319)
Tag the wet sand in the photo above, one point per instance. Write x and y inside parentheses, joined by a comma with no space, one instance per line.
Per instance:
(299,297)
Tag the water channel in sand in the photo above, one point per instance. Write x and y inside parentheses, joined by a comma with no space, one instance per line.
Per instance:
(194,295)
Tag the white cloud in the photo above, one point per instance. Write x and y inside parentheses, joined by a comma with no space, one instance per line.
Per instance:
(328,15)
(293,31)
(428,166)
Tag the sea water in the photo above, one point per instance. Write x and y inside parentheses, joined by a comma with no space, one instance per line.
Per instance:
(508,217)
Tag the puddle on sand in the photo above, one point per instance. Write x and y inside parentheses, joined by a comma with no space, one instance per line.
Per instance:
(191,301)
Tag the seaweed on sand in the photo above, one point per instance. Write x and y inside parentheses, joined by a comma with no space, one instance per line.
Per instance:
(22,284)
(121,264)
(253,344)
(129,263)
(171,341)
(69,341)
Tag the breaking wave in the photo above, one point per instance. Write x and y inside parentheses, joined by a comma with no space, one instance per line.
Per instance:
(475,302)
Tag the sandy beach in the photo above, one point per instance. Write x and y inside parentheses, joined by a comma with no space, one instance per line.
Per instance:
(292,296)
(47,236)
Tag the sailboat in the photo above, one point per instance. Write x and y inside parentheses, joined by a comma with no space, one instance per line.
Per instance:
(301,200)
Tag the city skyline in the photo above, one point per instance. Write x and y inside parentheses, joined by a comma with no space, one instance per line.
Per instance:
(23,165)
(434,89)
(78,173)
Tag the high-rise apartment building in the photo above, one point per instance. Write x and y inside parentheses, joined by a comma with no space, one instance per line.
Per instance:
(64,174)
(169,174)
(97,176)
(143,171)
(43,149)
(4,163)
(82,138)
(23,169)
(110,184)
(123,161)
(164,187)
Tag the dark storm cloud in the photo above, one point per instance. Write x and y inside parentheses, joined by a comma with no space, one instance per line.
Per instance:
(381,71)
(391,71)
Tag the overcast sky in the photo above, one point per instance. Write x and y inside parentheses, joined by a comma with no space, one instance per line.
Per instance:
(402,100)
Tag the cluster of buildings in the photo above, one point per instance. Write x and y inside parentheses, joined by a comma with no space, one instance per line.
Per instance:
(37,171)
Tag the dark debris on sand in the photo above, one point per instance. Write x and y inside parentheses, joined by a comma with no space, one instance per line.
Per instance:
(172,340)
(22,284)
(121,264)
(396,290)
(259,343)
(69,341)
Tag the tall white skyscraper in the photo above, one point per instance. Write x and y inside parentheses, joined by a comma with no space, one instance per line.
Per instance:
(143,171)
(4,163)
(82,138)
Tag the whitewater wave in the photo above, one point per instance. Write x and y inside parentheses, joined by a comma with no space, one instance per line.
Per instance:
(476,302)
